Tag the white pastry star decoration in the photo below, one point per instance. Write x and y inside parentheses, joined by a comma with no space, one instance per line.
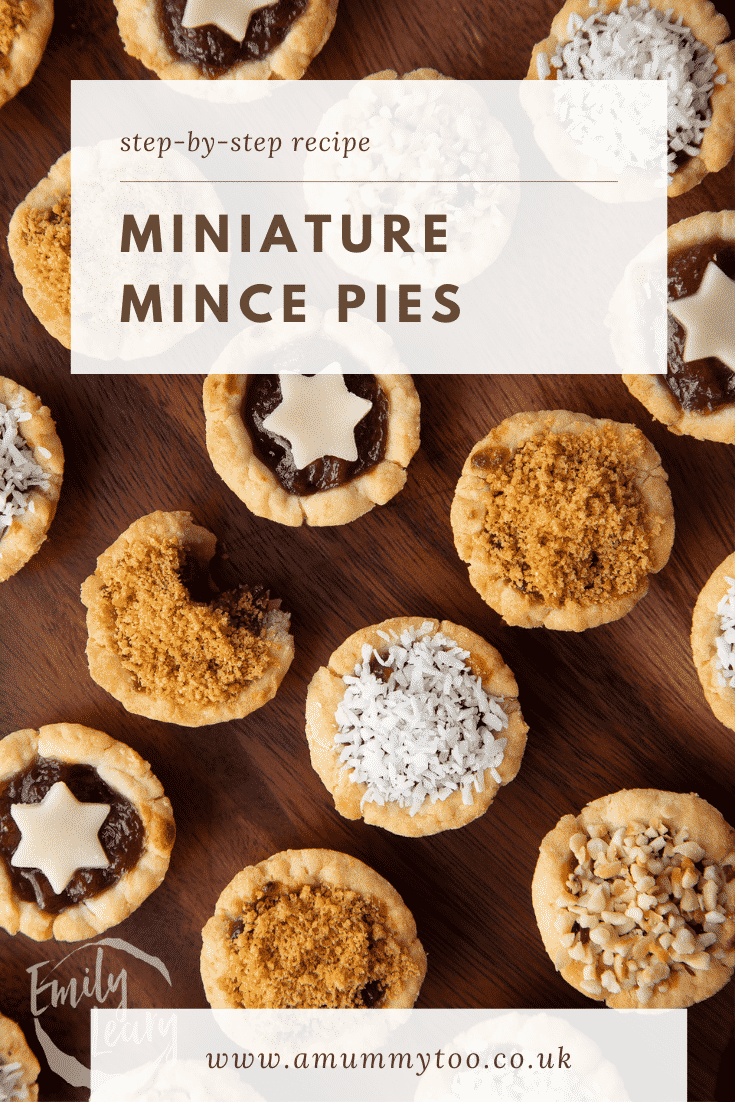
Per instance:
(231,16)
(59,836)
(709,318)
(317,416)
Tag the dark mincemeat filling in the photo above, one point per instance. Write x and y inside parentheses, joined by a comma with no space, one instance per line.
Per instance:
(122,835)
(212,50)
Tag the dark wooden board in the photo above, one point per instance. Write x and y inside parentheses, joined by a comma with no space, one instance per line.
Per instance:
(615,707)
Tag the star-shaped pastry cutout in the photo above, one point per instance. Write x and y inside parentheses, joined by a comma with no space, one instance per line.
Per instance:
(317,416)
(709,318)
(59,836)
(231,16)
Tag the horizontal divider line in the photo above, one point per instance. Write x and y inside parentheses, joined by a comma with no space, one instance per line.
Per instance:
(368,181)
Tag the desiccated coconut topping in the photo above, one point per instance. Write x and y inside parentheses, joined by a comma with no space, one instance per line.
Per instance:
(725,643)
(11,1089)
(18,471)
(416,722)
(642,904)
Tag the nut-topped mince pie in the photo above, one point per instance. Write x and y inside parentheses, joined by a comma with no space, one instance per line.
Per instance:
(166,643)
(19,1068)
(311,929)
(31,469)
(713,641)
(85,832)
(635,899)
(24,29)
(243,40)
(561,519)
(414,725)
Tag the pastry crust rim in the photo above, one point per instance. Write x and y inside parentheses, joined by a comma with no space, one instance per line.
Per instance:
(553,866)
(414,74)
(233,457)
(105,667)
(26,51)
(293,869)
(129,774)
(708,27)
(28,531)
(327,688)
(468,516)
(705,629)
(137,22)
(15,1048)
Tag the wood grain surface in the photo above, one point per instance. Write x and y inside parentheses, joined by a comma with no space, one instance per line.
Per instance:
(618,706)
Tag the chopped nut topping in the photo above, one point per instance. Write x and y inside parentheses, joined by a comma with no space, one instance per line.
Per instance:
(15,15)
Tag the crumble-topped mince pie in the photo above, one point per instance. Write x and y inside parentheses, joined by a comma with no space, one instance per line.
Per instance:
(635,899)
(415,74)
(166,643)
(19,1068)
(39,243)
(24,29)
(31,470)
(85,832)
(561,519)
(311,929)
(713,641)
(414,725)
(209,40)
(679,41)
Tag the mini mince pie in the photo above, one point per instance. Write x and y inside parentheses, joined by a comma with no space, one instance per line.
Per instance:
(415,74)
(31,469)
(604,39)
(561,519)
(414,725)
(24,29)
(713,641)
(635,899)
(241,40)
(166,643)
(85,832)
(39,243)
(19,1068)
(311,929)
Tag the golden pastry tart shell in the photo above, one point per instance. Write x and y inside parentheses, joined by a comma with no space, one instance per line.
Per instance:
(293,869)
(14,1050)
(651,390)
(26,50)
(556,862)
(231,451)
(138,23)
(705,631)
(108,671)
(327,689)
(415,74)
(123,770)
(709,28)
(28,531)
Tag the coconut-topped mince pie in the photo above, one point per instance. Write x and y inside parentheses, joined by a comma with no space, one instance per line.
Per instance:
(24,29)
(635,899)
(321,449)
(679,41)
(561,519)
(311,929)
(19,1068)
(166,643)
(210,40)
(713,641)
(31,469)
(85,832)
(414,725)
(39,243)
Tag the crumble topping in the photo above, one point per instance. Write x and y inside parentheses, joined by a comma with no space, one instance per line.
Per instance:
(15,15)
(47,233)
(565,520)
(315,947)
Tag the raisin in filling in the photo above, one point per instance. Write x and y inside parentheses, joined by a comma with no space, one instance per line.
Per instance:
(122,835)
(700,386)
(371,433)
(212,50)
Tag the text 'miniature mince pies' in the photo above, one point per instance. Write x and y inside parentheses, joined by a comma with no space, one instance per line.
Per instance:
(85,832)
(166,643)
(206,40)
(635,899)
(24,29)
(680,41)
(414,725)
(39,243)
(311,929)
(713,641)
(19,1068)
(561,519)
(31,471)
